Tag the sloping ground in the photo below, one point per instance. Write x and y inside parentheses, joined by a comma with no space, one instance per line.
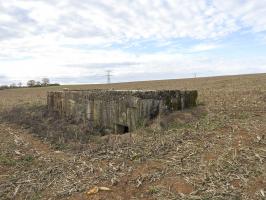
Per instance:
(215,151)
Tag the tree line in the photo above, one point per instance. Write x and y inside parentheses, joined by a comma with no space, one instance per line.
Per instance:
(45,82)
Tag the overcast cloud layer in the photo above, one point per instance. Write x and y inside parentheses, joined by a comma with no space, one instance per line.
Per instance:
(73,41)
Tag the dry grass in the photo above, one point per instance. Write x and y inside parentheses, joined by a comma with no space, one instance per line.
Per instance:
(215,151)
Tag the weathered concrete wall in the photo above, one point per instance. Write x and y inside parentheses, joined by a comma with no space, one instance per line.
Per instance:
(117,110)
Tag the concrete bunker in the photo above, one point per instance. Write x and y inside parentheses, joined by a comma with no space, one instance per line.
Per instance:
(117,111)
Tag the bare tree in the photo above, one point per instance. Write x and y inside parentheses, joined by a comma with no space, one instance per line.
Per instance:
(13,85)
(2,87)
(38,83)
(45,81)
(19,84)
(31,83)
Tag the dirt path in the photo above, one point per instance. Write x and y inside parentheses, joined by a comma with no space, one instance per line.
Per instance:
(24,160)
(23,138)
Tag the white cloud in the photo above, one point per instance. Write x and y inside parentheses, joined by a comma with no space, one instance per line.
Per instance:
(204,47)
(67,37)
(125,20)
(126,65)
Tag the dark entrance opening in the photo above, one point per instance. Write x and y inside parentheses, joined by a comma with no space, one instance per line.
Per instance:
(126,129)
(121,129)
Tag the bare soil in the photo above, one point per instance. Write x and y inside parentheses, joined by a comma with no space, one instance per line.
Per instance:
(214,151)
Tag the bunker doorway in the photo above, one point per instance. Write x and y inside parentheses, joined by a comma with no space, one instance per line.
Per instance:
(121,129)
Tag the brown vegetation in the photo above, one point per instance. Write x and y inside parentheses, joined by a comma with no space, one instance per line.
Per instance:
(215,151)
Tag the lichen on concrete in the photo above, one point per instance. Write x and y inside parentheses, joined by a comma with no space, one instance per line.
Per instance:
(117,111)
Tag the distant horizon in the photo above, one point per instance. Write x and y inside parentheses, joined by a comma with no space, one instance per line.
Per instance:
(78,41)
(146,80)
(181,78)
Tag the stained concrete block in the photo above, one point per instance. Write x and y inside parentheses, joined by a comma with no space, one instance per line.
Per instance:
(117,111)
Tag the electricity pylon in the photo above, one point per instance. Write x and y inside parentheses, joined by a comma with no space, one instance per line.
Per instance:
(108,75)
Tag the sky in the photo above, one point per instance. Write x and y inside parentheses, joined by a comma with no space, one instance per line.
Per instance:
(77,41)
